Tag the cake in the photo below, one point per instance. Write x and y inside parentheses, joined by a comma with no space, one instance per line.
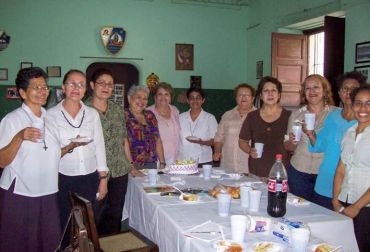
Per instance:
(183,167)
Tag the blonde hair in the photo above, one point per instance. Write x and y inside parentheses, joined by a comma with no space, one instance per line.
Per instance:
(328,95)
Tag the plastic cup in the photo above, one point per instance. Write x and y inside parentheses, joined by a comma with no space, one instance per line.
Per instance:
(259,149)
(238,227)
(207,169)
(224,201)
(300,238)
(40,126)
(297,131)
(152,176)
(244,195)
(309,119)
(254,200)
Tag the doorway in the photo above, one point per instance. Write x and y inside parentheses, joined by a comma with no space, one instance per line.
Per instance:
(125,75)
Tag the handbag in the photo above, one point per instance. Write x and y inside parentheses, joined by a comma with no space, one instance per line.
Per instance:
(80,241)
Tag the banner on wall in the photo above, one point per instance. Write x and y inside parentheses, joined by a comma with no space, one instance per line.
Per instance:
(113,38)
(4,40)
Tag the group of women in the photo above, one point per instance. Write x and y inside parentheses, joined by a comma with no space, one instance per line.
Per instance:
(80,140)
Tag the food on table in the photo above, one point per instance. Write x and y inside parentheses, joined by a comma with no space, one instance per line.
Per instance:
(323,248)
(190,197)
(268,247)
(228,246)
(232,190)
(183,167)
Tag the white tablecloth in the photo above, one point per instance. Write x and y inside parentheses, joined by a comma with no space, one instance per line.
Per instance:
(163,219)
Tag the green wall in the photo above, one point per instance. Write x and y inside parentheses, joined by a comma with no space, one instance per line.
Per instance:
(58,32)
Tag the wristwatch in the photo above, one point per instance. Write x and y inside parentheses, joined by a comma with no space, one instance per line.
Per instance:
(341,209)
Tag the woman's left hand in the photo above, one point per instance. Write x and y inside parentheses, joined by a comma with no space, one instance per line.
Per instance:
(103,189)
(351,211)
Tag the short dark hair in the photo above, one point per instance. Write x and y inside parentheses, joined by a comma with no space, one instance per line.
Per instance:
(244,85)
(271,79)
(72,71)
(364,88)
(195,89)
(99,72)
(26,74)
(359,77)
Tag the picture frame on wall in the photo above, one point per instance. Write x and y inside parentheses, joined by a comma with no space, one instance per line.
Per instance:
(196,82)
(26,65)
(184,56)
(363,52)
(54,71)
(12,93)
(365,70)
(259,69)
(3,74)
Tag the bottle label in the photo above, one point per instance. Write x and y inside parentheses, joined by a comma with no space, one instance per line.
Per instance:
(274,186)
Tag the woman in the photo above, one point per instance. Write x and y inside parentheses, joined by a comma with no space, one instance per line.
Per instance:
(328,139)
(142,128)
(117,151)
(351,192)
(82,168)
(232,157)
(266,125)
(29,213)
(198,129)
(168,120)
(304,166)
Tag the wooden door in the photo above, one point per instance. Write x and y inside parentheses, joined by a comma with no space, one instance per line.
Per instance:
(289,64)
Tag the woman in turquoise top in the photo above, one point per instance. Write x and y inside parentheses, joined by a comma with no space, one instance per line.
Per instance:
(328,139)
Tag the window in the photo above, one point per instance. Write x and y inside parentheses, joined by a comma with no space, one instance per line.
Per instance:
(316,53)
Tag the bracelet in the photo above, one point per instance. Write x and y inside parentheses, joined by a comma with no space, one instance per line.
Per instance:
(70,151)
(103,177)
(341,209)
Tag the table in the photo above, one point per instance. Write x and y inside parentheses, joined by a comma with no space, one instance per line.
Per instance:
(164,219)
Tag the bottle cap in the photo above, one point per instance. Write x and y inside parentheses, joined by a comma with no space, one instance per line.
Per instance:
(279,157)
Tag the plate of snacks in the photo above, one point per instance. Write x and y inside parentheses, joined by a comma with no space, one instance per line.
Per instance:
(323,247)
(234,191)
(228,246)
(297,201)
(81,139)
(268,247)
(189,198)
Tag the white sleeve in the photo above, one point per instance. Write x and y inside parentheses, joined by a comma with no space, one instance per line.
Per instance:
(212,126)
(101,162)
(6,132)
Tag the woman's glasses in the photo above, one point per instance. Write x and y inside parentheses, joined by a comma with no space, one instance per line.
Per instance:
(40,88)
(75,85)
(105,84)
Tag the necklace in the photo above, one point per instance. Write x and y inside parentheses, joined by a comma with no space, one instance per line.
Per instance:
(76,127)
(45,147)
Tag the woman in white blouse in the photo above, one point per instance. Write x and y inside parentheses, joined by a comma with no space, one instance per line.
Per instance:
(198,128)
(29,216)
(82,168)
(351,192)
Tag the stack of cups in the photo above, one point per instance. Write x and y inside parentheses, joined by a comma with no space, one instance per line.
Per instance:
(152,176)
(207,170)
(224,201)
(244,195)
(259,149)
(238,227)
(300,238)
(254,200)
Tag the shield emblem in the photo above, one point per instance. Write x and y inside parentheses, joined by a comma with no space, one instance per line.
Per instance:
(4,40)
(113,38)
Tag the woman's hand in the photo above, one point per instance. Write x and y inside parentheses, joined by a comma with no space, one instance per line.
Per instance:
(253,153)
(102,189)
(217,156)
(351,211)
(30,134)
(336,205)
(136,173)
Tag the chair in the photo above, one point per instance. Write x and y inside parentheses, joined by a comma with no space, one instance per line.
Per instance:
(123,242)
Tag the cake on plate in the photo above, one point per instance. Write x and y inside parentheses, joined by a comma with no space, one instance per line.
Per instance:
(183,167)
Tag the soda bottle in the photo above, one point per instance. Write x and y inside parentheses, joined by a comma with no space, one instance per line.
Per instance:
(277,188)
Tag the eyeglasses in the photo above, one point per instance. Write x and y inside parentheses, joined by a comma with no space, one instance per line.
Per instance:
(358,104)
(195,98)
(40,88)
(244,96)
(105,84)
(76,85)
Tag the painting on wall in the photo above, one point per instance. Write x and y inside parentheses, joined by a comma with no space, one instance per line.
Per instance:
(363,52)
(259,69)
(26,65)
(196,81)
(54,71)
(3,74)
(184,56)
(12,93)
(365,70)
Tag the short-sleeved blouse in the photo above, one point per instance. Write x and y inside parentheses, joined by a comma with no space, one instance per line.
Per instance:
(142,138)
(271,135)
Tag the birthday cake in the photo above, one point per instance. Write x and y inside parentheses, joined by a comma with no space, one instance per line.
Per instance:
(183,167)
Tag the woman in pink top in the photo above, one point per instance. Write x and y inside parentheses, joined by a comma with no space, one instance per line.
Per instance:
(168,120)
(226,149)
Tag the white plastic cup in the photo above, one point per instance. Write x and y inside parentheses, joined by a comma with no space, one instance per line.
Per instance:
(238,227)
(207,170)
(224,201)
(244,195)
(300,238)
(152,176)
(309,119)
(254,200)
(259,149)
(39,125)
(297,131)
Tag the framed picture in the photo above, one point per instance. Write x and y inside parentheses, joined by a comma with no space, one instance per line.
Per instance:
(3,74)
(363,52)
(365,70)
(196,81)
(12,93)
(259,69)
(26,64)
(53,71)
(184,57)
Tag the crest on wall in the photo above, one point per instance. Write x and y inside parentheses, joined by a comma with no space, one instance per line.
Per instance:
(113,38)
(4,40)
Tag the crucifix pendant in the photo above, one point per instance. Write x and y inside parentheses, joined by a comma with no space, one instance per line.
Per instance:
(45,147)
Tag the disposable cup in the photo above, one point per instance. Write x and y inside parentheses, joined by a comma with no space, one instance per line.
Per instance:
(207,169)
(259,149)
(254,200)
(244,195)
(297,131)
(152,176)
(224,200)
(309,119)
(40,126)
(238,227)
(300,238)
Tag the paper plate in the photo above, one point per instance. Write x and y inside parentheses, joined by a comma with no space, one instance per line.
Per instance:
(268,247)
(327,246)
(228,245)
(81,140)
(193,138)
(196,197)
(297,201)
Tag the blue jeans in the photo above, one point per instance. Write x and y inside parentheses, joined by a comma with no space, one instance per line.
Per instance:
(301,184)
